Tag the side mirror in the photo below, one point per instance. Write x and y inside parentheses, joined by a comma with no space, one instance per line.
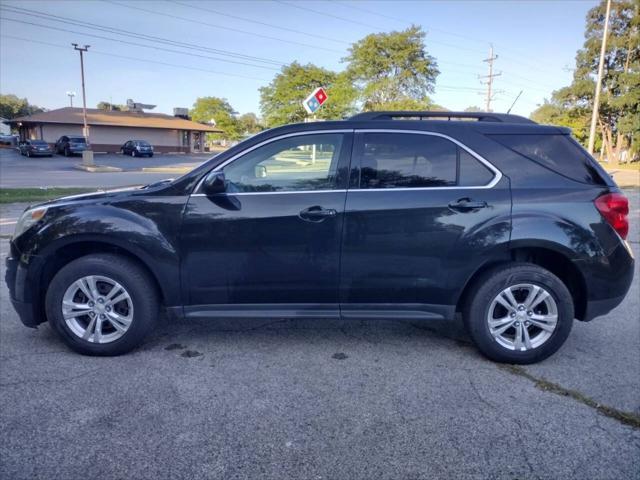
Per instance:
(214,183)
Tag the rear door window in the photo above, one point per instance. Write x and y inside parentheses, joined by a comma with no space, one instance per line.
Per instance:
(407,160)
(559,153)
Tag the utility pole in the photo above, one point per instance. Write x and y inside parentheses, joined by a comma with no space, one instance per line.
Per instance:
(71,95)
(87,155)
(596,100)
(489,78)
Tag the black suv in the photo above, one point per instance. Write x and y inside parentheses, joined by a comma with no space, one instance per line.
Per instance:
(410,215)
(70,145)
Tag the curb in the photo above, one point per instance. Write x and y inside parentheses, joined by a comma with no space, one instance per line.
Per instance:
(166,169)
(96,168)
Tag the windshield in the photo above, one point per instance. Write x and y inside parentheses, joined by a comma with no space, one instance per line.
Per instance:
(77,139)
(38,142)
(141,143)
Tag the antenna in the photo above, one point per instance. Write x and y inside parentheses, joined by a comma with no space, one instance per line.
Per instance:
(514,102)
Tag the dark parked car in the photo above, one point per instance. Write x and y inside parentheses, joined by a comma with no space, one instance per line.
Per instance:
(35,148)
(389,214)
(137,148)
(68,145)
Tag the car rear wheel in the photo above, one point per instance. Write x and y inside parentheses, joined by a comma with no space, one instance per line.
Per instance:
(102,304)
(519,313)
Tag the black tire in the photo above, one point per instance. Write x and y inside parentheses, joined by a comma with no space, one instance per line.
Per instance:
(28,153)
(150,155)
(487,288)
(133,153)
(67,152)
(129,275)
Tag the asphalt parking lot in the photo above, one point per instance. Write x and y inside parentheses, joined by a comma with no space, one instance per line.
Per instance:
(58,171)
(310,399)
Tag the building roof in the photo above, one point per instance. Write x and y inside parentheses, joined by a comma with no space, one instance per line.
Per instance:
(69,115)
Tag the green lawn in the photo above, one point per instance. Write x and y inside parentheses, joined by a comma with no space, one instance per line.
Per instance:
(622,166)
(27,195)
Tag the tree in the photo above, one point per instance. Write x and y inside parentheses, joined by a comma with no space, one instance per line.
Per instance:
(12,107)
(249,123)
(220,111)
(281,100)
(619,112)
(392,69)
(110,106)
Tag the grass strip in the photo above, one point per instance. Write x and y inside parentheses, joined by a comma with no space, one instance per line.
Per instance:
(27,195)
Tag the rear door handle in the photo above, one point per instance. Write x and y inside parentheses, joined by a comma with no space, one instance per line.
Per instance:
(466,205)
(316,213)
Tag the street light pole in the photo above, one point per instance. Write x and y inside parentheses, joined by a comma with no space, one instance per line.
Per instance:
(87,155)
(71,95)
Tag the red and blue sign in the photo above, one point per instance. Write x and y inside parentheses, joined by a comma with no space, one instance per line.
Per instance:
(314,101)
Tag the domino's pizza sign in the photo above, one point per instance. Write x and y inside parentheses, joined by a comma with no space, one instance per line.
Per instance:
(314,101)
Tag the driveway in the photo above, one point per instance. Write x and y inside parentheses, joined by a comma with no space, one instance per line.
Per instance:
(58,171)
(309,399)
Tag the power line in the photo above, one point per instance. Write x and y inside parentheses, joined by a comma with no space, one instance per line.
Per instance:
(258,22)
(126,57)
(128,33)
(330,15)
(447,32)
(138,59)
(135,43)
(237,30)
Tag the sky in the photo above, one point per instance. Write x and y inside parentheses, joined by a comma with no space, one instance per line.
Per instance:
(184,49)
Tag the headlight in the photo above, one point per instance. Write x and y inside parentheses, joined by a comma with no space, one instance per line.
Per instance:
(28,219)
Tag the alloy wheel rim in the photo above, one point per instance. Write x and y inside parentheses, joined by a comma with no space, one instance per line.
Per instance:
(97,309)
(522,317)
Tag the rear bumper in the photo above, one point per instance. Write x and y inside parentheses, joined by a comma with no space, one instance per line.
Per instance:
(598,308)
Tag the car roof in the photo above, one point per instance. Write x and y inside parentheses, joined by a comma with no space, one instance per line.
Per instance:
(439,126)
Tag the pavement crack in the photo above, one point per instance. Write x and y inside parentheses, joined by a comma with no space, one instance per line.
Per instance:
(626,418)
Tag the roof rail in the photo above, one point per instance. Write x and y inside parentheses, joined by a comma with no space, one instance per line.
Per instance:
(427,115)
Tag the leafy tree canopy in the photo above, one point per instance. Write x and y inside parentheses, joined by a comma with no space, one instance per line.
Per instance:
(110,106)
(249,123)
(220,111)
(392,67)
(281,100)
(619,111)
(12,107)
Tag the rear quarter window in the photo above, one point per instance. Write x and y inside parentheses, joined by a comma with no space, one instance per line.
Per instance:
(557,152)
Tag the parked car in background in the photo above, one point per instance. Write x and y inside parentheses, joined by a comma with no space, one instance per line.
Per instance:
(35,148)
(68,145)
(8,139)
(137,148)
(511,223)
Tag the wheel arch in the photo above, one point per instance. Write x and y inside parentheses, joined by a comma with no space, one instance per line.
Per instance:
(68,251)
(554,258)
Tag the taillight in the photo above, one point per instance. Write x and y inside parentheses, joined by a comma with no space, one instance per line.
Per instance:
(614,208)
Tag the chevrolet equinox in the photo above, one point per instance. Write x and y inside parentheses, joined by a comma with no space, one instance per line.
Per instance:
(408,215)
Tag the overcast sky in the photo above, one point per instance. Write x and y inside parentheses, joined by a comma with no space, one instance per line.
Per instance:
(231,48)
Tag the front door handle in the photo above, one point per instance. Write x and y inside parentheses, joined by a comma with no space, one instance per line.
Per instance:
(467,205)
(316,213)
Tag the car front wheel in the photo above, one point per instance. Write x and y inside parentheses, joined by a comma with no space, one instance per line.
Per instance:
(519,313)
(102,304)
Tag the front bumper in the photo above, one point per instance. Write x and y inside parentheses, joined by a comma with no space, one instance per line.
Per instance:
(16,278)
